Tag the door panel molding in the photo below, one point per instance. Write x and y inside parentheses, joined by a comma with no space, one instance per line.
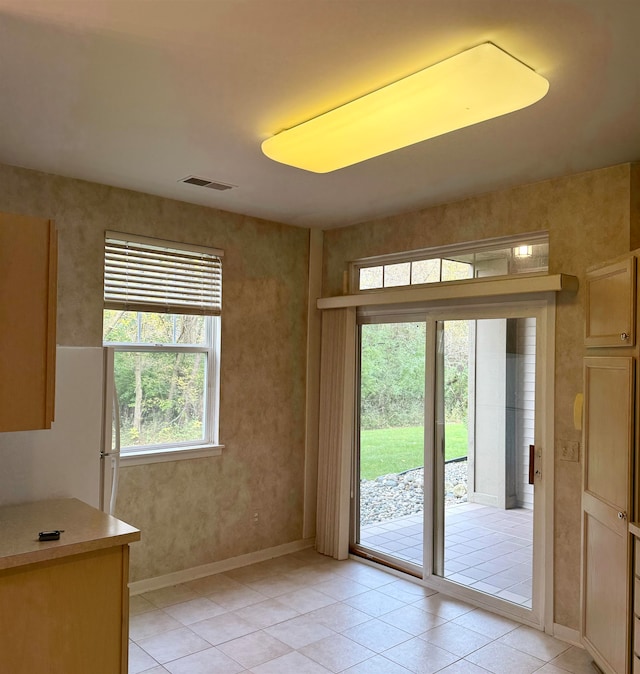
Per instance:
(606,502)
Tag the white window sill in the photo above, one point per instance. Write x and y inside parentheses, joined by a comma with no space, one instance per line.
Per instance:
(143,456)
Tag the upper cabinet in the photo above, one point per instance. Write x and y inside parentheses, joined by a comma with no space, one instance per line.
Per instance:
(610,304)
(28,270)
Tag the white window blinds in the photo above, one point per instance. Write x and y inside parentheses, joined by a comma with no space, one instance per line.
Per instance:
(142,274)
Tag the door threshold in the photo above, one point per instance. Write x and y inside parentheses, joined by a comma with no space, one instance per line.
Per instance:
(457,592)
(388,562)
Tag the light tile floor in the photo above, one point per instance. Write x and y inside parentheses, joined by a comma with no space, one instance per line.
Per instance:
(308,614)
(486,548)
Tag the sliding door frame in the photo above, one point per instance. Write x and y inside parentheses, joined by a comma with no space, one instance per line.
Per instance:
(399,315)
(543,310)
(542,307)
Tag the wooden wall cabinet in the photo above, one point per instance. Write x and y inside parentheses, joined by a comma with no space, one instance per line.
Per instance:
(28,272)
(610,312)
(611,441)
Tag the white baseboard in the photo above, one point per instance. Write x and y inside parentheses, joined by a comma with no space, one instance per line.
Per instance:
(184,576)
(567,634)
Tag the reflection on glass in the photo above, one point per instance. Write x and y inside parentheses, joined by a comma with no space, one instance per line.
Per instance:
(452,270)
(475,262)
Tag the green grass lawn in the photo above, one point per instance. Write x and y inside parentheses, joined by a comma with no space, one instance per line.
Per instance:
(393,450)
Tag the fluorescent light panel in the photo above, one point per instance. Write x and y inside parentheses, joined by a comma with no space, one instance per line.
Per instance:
(479,84)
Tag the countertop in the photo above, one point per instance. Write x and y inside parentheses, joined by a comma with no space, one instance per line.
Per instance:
(85,529)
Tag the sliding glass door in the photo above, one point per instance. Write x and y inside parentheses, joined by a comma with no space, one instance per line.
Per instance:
(446,473)
(390,470)
(484,500)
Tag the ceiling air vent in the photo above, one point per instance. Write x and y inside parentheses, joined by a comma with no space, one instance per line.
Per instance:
(205,182)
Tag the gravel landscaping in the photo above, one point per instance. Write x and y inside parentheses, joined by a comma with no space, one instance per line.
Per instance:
(395,495)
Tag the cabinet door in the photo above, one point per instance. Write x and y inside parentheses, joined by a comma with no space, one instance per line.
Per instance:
(28,268)
(606,573)
(67,615)
(610,310)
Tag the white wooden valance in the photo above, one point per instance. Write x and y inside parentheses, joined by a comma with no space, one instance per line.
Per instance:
(456,290)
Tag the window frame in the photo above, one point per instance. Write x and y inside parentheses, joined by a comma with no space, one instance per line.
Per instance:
(440,253)
(172,451)
(209,444)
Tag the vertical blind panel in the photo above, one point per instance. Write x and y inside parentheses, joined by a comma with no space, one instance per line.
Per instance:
(143,276)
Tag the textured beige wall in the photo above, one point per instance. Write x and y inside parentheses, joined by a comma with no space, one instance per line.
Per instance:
(198,511)
(587,217)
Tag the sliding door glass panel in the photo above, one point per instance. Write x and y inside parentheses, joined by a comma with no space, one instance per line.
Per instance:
(485,413)
(390,490)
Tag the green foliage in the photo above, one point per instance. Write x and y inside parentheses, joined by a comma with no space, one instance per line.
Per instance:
(161,393)
(161,396)
(456,371)
(394,450)
(133,327)
(392,375)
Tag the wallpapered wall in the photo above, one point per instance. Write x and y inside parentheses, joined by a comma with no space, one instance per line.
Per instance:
(588,220)
(206,504)
(198,511)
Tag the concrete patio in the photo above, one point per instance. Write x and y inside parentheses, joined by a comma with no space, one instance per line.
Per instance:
(486,548)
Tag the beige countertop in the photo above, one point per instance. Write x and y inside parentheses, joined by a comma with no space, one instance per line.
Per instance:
(85,529)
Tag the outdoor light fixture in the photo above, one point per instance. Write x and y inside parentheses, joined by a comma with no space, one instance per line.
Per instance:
(523,251)
(479,84)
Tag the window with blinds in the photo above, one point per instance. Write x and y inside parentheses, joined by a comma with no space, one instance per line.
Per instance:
(143,274)
(161,330)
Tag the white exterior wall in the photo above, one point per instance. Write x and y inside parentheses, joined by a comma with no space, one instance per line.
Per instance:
(525,418)
(493,479)
(488,464)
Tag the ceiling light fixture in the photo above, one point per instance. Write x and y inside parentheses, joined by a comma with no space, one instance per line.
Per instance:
(476,85)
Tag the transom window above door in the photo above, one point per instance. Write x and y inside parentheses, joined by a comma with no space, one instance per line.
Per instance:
(506,256)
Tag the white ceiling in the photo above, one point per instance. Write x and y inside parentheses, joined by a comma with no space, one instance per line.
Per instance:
(141,93)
